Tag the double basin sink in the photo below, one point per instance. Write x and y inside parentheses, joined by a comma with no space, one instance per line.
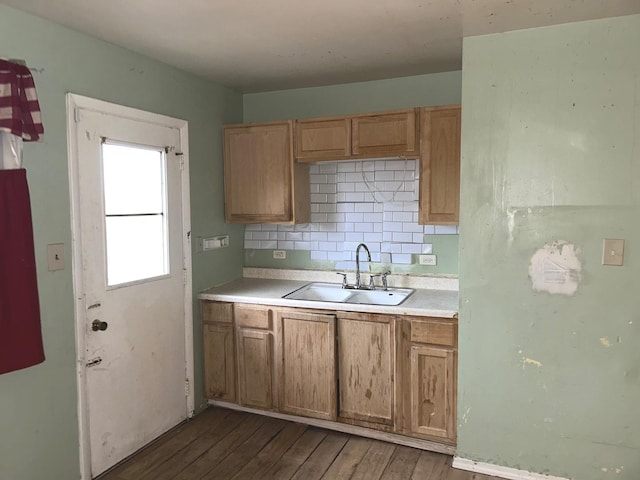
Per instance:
(333,292)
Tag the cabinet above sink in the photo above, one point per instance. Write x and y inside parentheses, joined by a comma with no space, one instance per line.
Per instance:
(266,164)
(374,135)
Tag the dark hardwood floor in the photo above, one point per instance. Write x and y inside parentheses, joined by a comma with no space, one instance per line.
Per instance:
(225,444)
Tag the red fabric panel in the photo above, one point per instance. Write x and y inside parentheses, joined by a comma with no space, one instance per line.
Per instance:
(19,107)
(20,334)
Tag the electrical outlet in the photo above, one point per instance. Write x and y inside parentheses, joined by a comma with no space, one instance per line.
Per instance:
(427,260)
(215,242)
(280,254)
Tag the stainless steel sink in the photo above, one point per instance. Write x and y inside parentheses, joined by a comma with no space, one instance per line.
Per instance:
(333,292)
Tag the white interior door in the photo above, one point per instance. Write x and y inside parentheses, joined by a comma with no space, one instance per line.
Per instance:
(129,197)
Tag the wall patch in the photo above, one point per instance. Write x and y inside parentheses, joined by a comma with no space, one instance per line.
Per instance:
(556,269)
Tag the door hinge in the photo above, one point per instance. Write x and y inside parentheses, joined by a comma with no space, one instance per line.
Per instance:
(184,276)
(187,387)
(77,115)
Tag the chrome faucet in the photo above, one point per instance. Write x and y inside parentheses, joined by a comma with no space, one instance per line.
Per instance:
(362,245)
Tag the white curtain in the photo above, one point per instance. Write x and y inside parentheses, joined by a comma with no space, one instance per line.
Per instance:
(10,151)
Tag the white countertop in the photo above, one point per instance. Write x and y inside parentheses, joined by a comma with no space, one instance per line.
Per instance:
(266,291)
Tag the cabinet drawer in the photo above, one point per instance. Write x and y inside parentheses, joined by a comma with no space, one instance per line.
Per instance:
(217,312)
(251,316)
(436,333)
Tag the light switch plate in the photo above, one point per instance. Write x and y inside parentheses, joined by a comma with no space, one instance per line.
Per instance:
(613,251)
(55,257)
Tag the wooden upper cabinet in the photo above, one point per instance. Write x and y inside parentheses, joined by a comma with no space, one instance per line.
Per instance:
(366,367)
(323,139)
(387,134)
(440,166)
(262,183)
(371,135)
(308,369)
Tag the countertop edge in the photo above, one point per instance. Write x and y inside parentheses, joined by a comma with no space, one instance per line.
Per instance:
(254,291)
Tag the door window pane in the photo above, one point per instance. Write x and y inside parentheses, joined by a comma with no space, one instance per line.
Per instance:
(133,179)
(135,205)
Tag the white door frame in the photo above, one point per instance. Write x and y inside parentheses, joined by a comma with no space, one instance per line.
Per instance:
(75,102)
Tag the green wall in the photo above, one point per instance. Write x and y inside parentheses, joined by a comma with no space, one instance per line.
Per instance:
(362,97)
(38,407)
(551,151)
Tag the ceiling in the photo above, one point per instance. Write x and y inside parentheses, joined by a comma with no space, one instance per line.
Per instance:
(261,45)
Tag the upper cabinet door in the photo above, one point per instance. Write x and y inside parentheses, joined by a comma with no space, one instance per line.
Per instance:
(440,166)
(386,134)
(323,139)
(261,184)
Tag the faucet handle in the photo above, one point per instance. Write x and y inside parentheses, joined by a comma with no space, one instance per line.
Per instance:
(344,279)
(372,285)
(385,286)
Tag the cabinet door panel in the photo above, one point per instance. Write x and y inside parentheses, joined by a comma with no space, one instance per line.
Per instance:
(255,366)
(366,369)
(385,134)
(432,391)
(308,376)
(328,139)
(440,166)
(258,164)
(219,358)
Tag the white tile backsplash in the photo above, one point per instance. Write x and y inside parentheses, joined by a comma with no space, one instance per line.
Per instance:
(346,213)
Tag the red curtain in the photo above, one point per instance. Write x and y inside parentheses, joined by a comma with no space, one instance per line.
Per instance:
(20,333)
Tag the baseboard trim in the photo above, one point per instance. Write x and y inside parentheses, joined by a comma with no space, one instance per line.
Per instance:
(500,471)
(345,428)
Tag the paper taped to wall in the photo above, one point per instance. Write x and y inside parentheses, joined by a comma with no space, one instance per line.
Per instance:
(556,269)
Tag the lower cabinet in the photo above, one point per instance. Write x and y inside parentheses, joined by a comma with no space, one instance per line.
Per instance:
(392,373)
(366,366)
(432,399)
(254,334)
(429,376)
(308,370)
(219,352)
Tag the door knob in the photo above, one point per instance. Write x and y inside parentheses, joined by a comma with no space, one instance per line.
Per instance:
(98,325)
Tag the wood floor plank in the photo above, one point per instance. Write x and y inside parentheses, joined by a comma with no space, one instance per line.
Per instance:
(208,460)
(290,462)
(239,457)
(346,462)
(322,457)
(402,464)
(221,444)
(271,453)
(433,466)
(219,428)
(165,447)
(374,462)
